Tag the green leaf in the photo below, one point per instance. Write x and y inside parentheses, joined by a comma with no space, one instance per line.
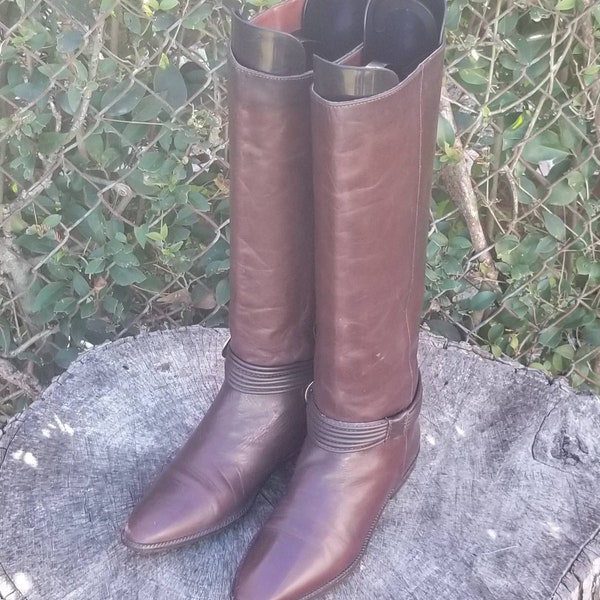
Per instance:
(149,108)
(5,335)
(196,19)
(566,351)
(550,337)
(126,276)
(445,133)
(132,23)
(474,76)
(584,265)
(94,266)
(94,144)
(111,304)
(87,309)
(168,4)
(155,235)
(562,194)
(439,238)
(163,20)
(35,90)
(73,98)
(47,296)
(496,332)
(126,259)
(75,10)
(65,305)
(37,245)
(80,285)
(445,329)
(591,333)
(50,142)
(150,162)
(199,201)
(107,6)
(547,245)
(65,356)
(169,84)
(555,226)
(452,266)
(141,234)
(51,221)
(222,292)
(545,147)
(461,243)
(579,317)
(122,98)
(482,300)
(565,5)
(69,40)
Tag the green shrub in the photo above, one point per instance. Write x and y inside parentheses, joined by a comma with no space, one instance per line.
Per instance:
(115,200)
(114,181)
(524,79)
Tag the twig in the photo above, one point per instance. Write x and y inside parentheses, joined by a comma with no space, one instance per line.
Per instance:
(587,32)
(15,267)
(28,384)
(456,178)
(42,335)
(56,160)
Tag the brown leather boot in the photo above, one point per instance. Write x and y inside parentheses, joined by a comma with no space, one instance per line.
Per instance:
(372,166)
(257,421)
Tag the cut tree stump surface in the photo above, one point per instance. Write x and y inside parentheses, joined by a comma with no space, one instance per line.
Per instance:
(504,502)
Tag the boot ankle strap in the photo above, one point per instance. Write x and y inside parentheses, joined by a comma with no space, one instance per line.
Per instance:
(342,436)
(252,379)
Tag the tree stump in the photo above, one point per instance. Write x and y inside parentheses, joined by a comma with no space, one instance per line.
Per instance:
(504,502)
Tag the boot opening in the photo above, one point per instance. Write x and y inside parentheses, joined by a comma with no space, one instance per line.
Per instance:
(402,33)
(399,35)
(283,40)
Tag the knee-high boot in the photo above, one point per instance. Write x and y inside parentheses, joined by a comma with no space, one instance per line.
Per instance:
(374,131)
(257,419)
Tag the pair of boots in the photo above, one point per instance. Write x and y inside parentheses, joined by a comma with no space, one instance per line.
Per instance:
(330,188)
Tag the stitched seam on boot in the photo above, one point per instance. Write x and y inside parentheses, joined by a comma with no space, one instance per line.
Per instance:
(415,228)
(333,104)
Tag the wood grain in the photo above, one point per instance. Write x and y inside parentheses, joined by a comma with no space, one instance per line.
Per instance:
(504,503)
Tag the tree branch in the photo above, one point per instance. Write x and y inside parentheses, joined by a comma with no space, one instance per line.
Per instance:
(28,384)
(456,178)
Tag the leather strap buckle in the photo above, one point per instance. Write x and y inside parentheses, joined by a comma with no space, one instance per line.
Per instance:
(399,423)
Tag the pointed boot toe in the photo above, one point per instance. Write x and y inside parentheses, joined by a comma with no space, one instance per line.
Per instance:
(215,476)
(179,509)
(154,525)
(275,567)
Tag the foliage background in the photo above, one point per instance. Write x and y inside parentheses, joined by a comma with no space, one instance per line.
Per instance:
(114,180)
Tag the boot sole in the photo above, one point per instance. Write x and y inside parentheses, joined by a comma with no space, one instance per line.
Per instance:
(348,570)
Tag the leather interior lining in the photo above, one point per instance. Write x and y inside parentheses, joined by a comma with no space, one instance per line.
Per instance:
(399,35)
(283,42)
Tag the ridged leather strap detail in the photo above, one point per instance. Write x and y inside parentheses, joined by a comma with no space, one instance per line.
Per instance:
(341,436)
(252,379)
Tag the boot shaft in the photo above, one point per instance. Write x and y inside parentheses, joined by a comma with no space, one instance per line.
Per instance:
(271,310)
(372,171)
